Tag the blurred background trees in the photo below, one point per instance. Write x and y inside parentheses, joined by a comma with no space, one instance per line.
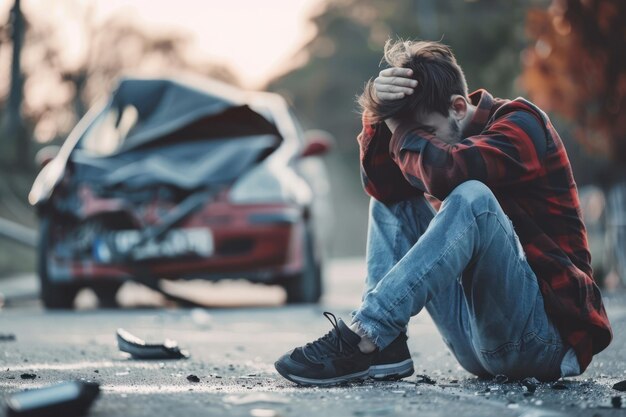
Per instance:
(576,67)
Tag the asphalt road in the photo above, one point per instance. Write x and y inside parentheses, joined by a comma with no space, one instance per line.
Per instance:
(233,346)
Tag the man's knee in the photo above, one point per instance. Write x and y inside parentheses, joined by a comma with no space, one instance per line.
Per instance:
(473,193)
(415,205)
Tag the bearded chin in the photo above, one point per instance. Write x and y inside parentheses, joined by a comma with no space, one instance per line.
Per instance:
(455,130)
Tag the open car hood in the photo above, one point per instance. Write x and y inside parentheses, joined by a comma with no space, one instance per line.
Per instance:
(185,166)
(167,106)
(165,112)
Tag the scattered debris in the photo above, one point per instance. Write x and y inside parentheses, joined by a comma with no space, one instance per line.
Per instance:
(7,337)
(530,384)
(501,379)
(28,376)
(425,379)
(193,378)
(67,399)
(448,385)
(616,402)
(620,386)
(139,349)
(558,385)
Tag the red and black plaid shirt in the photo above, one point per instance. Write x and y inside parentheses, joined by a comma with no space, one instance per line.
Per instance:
(512,147)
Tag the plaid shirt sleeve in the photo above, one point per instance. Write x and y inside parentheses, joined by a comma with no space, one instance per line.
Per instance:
(381,177)
(508,153)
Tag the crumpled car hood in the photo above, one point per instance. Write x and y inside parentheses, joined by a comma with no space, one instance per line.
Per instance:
(165,106)
(168,111)
(186,166)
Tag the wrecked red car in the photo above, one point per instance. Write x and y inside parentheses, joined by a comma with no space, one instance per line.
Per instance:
(173,179)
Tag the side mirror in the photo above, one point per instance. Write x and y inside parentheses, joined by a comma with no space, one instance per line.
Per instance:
(317,143)
(45,155)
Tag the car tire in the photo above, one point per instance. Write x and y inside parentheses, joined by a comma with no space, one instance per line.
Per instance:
(53,295)
(306,287)
(107,292)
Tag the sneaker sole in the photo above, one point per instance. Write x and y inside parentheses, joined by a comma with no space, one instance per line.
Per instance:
(358,376)
(392,371)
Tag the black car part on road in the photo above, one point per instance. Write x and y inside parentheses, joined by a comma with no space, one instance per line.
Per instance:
(139,349)
(68,399)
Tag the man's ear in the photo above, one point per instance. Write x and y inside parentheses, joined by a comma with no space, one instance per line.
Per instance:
(459,107)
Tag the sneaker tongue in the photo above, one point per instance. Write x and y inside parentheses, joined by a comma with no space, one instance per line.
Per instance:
(348,335)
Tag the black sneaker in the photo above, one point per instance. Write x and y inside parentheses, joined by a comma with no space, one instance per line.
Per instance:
(330,360)
(393,362)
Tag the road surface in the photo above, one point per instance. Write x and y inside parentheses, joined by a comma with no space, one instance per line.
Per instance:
(233,346)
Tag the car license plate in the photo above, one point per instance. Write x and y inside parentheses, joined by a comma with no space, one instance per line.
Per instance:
(175,243)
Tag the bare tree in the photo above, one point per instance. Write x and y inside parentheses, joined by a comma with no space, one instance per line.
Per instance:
(15,145)
(57,91)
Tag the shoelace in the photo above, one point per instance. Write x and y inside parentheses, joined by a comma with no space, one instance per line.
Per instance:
(331,341)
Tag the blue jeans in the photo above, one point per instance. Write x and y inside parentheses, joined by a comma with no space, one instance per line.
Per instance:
(466,266)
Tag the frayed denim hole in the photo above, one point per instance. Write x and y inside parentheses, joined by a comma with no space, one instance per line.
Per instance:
(370,334)
(521,255)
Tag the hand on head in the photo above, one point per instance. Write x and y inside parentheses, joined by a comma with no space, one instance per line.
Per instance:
(394,84)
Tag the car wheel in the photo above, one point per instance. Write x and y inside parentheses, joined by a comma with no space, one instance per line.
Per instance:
(306,287)
(53,295)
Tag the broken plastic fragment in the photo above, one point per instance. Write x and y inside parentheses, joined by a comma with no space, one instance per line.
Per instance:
(530,384)
(501,379)
(559,385)
(620,386)
(425,379)
(139,349)
(67,399)
(28,376)
(193,378)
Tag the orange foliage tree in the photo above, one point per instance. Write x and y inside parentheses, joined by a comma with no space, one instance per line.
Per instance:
(577,68)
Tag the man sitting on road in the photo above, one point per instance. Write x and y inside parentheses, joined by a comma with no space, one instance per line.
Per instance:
(503,267)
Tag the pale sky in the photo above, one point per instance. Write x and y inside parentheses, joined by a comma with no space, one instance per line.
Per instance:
(255,38)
